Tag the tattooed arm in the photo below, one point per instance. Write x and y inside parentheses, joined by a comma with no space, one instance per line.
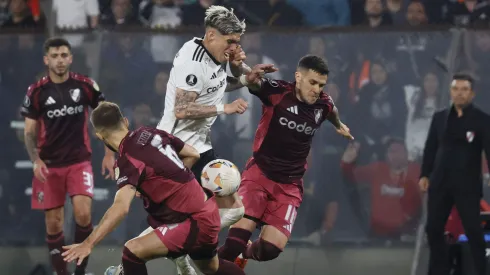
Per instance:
(30,138)
(186,108)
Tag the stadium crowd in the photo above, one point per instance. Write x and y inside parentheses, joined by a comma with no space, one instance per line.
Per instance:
(387,90)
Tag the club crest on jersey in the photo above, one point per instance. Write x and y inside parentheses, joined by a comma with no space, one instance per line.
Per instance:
(470,135)
(75,94)
(318,115)
(273,83)
(191,80)
(27,101)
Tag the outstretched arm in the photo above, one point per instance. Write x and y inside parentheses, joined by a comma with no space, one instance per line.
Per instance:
(30,138)
(340,127)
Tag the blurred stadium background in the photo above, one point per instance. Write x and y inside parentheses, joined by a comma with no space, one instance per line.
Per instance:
(390,60)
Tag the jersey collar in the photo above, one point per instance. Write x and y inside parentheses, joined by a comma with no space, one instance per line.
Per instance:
(199,42)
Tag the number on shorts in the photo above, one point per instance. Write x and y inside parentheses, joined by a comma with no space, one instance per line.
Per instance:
(168,151)
(88,181)
(290,218)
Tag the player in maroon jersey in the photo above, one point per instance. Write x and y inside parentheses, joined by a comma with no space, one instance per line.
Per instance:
(272,186)
(57,140)
(156,165)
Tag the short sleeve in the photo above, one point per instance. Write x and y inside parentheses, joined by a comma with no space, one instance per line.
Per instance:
(30,107)
(128,170)
(95,95)
(271,91)
(189,76)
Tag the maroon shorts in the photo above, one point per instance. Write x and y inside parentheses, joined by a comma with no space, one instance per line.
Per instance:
(269,202)
(196,236)
(76,179)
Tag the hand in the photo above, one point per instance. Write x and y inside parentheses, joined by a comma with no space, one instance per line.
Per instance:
(238,106)
(351,153)
(424,184)
(259,71)
(344,131)
(108,166)
(76,251)
(236,58)
(40,170)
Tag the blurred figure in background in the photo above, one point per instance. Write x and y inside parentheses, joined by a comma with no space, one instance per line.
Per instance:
(323,13)
(121,14)
(375,14)
(158,14)
(416,15)
(395,196)
(20,15)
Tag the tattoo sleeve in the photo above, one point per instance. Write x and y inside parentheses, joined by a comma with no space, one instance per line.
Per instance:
(237,71)
(334,118)
(232,84)
(30,139)
(186,108)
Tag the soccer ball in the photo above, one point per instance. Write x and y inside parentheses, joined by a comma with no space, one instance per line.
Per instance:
(221,176)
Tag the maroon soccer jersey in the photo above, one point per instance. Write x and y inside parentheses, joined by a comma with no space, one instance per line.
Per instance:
(62,112)
(286,129)
(149,161)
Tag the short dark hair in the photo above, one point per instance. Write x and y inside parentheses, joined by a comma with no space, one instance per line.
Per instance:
(464,76)
(315,63)
(56,42)
(107,116)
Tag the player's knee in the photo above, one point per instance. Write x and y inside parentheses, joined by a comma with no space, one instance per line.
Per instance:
(267,251)
(83,218)
(135,247)
(231,216)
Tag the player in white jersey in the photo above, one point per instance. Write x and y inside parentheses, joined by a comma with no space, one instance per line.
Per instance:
(195,90)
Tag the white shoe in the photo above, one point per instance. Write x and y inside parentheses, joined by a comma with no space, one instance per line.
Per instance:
(184,266)
(114,270)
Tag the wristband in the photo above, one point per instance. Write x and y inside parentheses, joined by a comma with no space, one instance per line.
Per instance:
(220,108)
(243,80)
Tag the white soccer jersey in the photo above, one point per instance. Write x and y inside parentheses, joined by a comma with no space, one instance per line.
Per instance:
(194,69)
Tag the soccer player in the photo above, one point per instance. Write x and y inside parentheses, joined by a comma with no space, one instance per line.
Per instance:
(57,140)
(272,186)
(155,166)
(197,83)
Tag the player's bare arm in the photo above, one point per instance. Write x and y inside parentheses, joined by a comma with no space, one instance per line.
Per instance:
(253,79)
(113,216)
(186,108)
(340,127)
(30,138)
(189,156)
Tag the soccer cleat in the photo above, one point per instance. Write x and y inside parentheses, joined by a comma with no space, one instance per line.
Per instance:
(241,262)
(114,270)
(184,267)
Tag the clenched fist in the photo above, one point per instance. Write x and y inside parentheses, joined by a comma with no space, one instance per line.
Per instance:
(238,106)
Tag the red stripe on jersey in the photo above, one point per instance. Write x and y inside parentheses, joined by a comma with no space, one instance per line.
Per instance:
(86,137)
(88,93)
(41,134)
(82,78)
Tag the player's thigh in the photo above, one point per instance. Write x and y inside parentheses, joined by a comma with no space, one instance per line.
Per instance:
(147,247)
(279,218)
(254,195)
(146,231)
(208,266)
(80,179)
(178,238)
(51,193)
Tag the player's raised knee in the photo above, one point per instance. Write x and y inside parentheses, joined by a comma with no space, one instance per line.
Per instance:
(135,247)
(266,251)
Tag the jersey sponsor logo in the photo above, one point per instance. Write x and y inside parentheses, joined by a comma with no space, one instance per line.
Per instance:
(217,87)
(65,111)
(121,180)
(300,128)
(27,101)
(75,94)
(191,80)
(318,115)
(273,83)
